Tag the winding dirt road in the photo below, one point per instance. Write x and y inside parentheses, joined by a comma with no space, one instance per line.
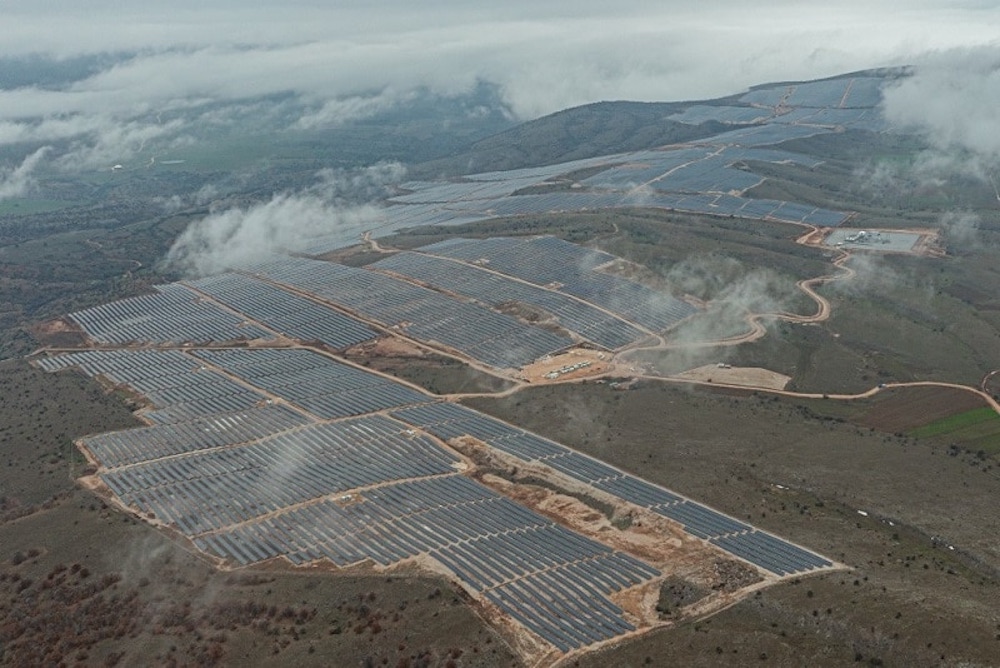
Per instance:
(756,331)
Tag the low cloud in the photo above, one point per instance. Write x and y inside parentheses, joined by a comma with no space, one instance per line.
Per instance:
(302,65)
(18,181)
(340,203)
(960,229)
(952,100)
(732,291)
(341,110)
(241,237)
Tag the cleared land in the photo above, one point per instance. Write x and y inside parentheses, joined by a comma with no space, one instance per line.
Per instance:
(755,378)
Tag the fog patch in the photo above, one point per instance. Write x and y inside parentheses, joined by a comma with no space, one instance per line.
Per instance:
(340,202)
(952,100)
(241,237)
(18,181)
(342,110)
(960,229)
(732,292)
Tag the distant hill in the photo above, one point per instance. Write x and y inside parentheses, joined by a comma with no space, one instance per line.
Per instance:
(604,128)
(580,132)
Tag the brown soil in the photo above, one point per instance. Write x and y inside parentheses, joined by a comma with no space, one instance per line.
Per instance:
(599,362)
(432,371)
(59,333)
(743,376)
(907,408)
(386,346)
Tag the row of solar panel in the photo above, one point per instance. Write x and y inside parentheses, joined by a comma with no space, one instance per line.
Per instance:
(324,387)
(174,314)
(565,621)
(448,421)
(700,113)
(495,290)
(492,544)
(653,310)
(184,388)
(210,490)
(549,260)
(135,364)
(120,448)
(575,200)
(845,93)
(178,386)
(773,554)
(287,313)
(235,401)
(490,337)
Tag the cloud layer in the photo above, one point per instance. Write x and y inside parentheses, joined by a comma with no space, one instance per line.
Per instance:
(122,77)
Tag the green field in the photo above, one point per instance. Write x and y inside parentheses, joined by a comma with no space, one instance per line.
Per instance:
(977,429)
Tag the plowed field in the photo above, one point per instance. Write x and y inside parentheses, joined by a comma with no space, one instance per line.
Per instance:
(907,408)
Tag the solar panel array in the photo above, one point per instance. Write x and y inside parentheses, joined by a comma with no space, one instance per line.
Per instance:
(447,421)
(213,489)
(840,93)
(320,385)
(489,288)
(285,312)
(806,110)
(239,455)
(482,334)
(697,169)
(700,113)
(120,448)
(571,269)
(178,386)
(553,580)
(548,258)
(256,484)
(622,194)
(174,314)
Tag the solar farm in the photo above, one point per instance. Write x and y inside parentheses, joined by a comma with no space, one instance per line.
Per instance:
(712,176)
(325,462)
(263,443)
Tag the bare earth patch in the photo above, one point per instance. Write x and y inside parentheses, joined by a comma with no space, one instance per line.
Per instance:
(577,363)
(742,376)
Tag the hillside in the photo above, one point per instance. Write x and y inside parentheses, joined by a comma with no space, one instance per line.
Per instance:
(704,383)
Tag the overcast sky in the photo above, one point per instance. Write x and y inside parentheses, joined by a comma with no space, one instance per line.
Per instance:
(546,55)
(346,56)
